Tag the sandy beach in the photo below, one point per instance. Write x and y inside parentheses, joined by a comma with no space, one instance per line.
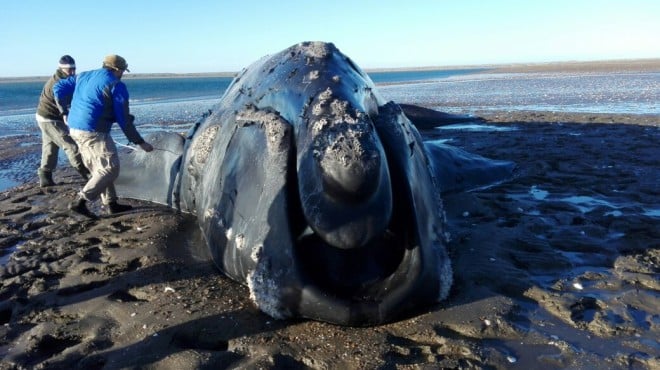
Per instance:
(557,268)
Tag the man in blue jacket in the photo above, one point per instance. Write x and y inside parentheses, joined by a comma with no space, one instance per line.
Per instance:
(98,99)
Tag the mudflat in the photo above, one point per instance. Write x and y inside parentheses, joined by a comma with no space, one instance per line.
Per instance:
(556,268)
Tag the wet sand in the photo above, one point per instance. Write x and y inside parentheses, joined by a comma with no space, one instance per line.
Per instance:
(557,268)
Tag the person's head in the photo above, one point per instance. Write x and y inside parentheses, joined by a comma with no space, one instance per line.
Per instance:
(67,65)
(116,64)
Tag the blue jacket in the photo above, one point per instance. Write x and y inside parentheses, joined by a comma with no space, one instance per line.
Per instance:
(98,99)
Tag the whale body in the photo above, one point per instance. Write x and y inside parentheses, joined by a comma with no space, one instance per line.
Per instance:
(310,188)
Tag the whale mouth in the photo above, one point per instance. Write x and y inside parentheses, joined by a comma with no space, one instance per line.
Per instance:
(353,246)
(351,274)
(359,285)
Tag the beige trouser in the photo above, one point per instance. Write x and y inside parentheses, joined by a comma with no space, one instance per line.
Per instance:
(99,154)
(55,135)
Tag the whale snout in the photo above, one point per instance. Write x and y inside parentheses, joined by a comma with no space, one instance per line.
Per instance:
(349,181)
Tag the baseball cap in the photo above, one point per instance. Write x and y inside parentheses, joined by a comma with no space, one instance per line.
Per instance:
(116,62)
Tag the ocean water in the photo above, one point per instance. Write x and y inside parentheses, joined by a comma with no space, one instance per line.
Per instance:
(163,101)
(181,101)
(154,101)
(176,103)
(629,93)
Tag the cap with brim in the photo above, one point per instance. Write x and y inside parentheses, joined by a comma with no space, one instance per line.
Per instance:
(116,62)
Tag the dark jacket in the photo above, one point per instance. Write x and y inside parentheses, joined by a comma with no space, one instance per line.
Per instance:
(98,99)
(47,107)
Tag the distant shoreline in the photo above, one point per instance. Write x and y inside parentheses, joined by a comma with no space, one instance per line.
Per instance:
(130,76)
(622,65)
(632,65)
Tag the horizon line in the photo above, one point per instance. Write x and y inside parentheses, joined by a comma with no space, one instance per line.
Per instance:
(654,63)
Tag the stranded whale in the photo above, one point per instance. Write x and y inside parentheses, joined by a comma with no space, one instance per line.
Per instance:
(311,189)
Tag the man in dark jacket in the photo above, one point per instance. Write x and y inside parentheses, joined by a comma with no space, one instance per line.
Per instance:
(54,132)
(98,100)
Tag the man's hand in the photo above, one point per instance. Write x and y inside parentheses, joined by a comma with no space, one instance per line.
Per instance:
(146,147)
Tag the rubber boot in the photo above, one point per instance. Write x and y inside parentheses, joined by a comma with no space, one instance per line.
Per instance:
(80,206)
(45,178)
(114,208)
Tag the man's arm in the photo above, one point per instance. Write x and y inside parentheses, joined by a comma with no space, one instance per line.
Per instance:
(63,92)
(125,119)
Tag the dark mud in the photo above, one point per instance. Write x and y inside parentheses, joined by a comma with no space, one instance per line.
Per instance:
(557,268)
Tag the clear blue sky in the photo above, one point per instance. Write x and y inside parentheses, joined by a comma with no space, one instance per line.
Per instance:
(225,36)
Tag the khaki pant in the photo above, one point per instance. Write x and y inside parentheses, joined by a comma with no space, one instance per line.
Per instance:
(55,135)
(100,156)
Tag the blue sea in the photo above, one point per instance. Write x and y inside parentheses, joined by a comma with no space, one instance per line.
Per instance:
(175,103)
